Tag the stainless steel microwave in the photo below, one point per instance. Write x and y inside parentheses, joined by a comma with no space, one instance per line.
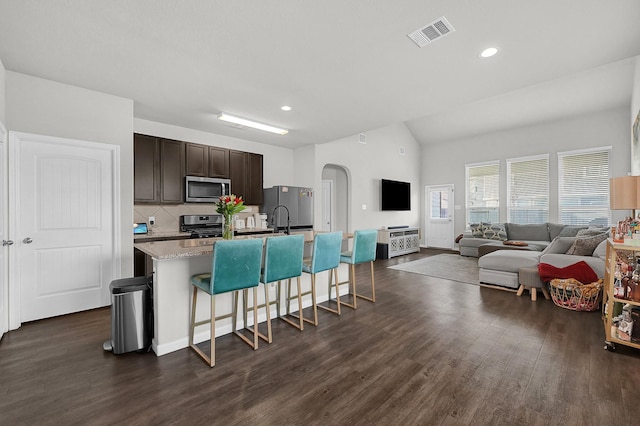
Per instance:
(205,190)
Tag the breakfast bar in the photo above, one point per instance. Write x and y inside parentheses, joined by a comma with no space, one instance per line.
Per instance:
(174,262)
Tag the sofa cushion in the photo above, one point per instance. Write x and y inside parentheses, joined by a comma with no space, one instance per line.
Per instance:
(529,232)
(555,229)
(494,231)
(562,260)
(571,230)
(559,245)
(509,260)
(581,271)
(601,250)
(584,246)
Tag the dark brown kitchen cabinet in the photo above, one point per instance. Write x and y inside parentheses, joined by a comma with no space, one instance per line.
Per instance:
(196,160)
(158,170)
(206,161)
(146,170)
(171,171)
(245,171)
(218,162)
(254,188)
(238,173)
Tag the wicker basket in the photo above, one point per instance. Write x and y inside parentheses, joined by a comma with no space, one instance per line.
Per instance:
(571,294)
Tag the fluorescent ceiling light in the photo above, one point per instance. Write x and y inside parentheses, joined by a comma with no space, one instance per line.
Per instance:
(489,52)
(253,124)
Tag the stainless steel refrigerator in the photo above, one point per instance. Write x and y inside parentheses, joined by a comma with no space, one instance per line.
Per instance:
(295,200)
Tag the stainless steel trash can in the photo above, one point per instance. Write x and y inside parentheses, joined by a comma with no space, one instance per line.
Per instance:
(131,315)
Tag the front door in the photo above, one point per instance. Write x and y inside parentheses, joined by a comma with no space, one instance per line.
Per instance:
(439,216)
(65,239)
(4,237)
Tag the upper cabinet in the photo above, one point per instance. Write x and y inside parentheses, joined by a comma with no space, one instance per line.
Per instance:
(160,166)
(206,161)
(245,170)
(158,170)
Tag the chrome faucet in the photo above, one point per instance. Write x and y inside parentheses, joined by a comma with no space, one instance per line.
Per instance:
(273,219)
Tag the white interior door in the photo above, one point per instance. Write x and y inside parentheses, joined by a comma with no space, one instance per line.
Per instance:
(64,227)
(439,216)
(4,237)
(327,205)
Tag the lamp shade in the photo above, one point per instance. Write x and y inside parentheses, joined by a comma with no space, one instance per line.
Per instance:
(623,193)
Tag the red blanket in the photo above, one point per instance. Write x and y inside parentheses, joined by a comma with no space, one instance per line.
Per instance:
(580,271)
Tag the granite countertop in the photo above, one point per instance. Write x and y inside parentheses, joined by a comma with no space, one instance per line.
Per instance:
(161,234)
(181,248)
(178,249)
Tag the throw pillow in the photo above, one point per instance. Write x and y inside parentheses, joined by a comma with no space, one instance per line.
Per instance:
(476,230)
(591,232)
(580,271)
(494,231)
(584,246)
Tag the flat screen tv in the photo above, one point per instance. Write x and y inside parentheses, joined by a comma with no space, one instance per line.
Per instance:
(395,195)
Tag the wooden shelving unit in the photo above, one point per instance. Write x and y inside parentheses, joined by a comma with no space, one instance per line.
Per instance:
(608,308)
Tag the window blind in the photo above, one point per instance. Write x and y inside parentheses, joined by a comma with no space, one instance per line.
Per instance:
(483,192)
(528,190)
(583,187)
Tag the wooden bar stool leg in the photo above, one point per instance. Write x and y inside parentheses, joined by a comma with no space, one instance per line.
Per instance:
(299,303)
(534,294)
(352,278)
(255,318)
(268,308)
(373,284)
(334,272)
(313,297)
(212,357)
(193,315)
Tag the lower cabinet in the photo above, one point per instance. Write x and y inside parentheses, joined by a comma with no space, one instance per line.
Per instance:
(398,241)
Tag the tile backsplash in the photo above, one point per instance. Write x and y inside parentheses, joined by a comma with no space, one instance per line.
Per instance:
(168,216)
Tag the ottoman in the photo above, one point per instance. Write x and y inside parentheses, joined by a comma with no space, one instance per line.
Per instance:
(529,279)
(500,268)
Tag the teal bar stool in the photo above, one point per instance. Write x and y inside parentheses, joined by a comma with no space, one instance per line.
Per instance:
(325,257)
(236,266)
(282,261)
(364,250)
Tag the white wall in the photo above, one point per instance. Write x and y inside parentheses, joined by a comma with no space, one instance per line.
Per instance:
(635,111)
(277,161)
(35,105)
(445,163)
(3,76)
(366,164)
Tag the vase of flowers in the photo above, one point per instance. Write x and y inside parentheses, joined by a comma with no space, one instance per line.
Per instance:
(228,205)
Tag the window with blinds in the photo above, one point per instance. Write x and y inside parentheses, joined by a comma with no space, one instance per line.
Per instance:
(583,187)
(483,192)
(528,189)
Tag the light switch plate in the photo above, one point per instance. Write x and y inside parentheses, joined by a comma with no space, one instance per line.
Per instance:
(152,220)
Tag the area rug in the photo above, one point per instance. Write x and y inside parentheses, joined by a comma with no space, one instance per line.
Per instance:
(448,266)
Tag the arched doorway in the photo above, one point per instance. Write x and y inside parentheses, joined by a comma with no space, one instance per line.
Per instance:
(335,198)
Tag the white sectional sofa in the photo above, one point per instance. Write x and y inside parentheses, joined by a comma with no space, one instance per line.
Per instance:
(500,268)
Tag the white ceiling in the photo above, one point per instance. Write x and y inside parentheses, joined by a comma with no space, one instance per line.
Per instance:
(344,66)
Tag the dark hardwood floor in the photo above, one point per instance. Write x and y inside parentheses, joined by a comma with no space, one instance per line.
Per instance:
(429,351)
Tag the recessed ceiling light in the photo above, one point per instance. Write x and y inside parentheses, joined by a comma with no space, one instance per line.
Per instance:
(489,52)
(250,123)
(285,108)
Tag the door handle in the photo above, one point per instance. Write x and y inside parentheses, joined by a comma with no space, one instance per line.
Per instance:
(7,243)
(27,240)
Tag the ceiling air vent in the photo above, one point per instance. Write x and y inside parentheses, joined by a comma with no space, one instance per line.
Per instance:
(431,32)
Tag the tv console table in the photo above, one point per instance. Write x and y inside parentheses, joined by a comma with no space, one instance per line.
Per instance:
(398,241)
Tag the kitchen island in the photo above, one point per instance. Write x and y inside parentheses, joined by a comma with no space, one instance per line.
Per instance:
(174,262)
